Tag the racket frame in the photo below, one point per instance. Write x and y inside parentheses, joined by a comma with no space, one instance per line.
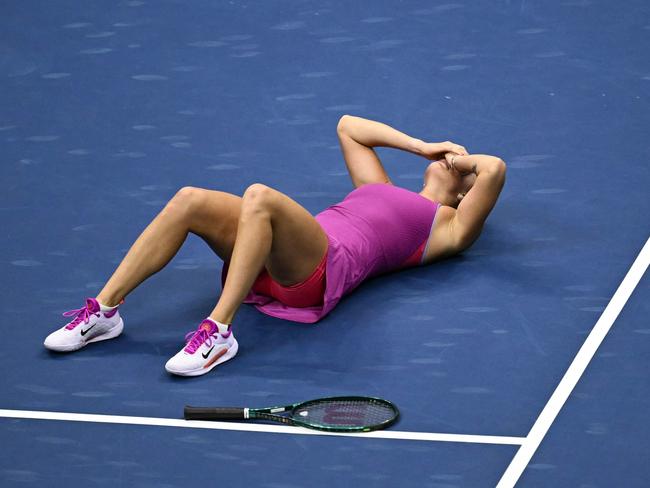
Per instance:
(271,413)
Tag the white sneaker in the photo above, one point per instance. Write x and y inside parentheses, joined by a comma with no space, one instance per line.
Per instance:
(205,348)
(90,324)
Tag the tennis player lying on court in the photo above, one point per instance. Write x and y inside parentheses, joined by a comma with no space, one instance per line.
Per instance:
(293,265)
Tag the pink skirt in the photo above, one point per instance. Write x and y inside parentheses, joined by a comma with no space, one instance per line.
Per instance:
(307,293)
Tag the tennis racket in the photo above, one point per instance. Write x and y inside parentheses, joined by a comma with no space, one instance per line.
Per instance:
(333,414)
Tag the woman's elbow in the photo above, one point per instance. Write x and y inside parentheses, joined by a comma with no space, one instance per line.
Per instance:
(498,165)
(343,121)
(497,170)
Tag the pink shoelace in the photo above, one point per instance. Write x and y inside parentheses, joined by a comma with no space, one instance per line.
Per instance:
(196,338)
(81,315)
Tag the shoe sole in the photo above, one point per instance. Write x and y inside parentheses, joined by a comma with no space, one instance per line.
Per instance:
(232,351)
(109,334)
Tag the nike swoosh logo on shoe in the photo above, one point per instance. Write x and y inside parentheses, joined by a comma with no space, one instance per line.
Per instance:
(84,332)
(206,354)
(216,356)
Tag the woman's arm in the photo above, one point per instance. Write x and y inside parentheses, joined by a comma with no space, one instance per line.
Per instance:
(477,204)
(358,136)
(377,134)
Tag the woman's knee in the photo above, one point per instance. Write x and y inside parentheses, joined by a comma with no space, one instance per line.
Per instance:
(258,197)
(185,201)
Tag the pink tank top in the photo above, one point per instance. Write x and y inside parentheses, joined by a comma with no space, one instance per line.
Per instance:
(376,229)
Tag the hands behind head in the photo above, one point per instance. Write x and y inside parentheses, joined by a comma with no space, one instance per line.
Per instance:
(434,151)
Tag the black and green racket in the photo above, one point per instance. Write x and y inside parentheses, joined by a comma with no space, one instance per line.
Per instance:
(333,414)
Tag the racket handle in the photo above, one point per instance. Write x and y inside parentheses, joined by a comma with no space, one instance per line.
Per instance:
(214,413)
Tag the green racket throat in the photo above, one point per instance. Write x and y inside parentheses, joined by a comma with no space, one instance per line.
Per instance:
(332,414)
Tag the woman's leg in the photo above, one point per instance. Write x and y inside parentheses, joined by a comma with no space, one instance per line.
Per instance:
(212,215)
(273,231)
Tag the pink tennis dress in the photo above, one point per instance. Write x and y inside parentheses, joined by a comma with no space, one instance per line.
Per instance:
(376,229)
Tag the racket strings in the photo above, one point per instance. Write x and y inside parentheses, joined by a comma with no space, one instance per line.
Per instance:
(346,413)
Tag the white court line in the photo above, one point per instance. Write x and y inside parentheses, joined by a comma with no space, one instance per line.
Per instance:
(577,368)
(250,427)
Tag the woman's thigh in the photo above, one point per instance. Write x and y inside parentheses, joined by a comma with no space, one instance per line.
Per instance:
(299,242)
(214,217)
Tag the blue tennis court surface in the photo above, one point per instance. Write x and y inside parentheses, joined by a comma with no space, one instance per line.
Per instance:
(107,110)
(602,429)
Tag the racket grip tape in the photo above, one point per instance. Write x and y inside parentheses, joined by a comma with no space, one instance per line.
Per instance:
(215,413)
